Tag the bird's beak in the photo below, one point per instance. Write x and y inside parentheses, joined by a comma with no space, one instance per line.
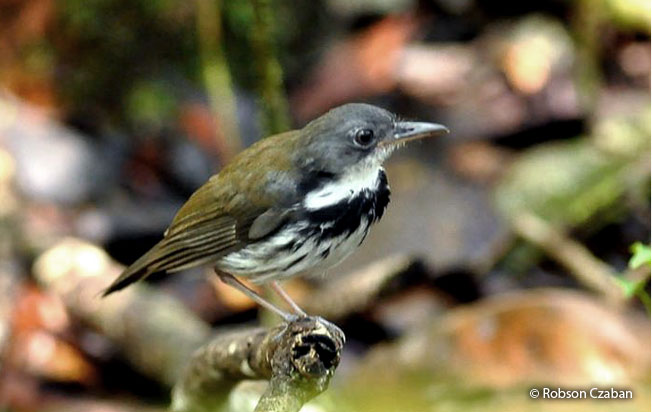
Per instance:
(406,131)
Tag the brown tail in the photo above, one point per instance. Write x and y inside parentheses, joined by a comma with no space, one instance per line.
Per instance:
(139,270)
(171,255)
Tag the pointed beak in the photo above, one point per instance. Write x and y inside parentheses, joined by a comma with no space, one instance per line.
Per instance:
(406,131)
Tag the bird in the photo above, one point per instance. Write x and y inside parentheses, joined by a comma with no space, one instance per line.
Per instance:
(292,204)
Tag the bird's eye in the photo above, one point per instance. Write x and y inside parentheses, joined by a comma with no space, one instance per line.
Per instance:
(364,137)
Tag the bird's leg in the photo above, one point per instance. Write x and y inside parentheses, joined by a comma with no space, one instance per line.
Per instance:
(235,283)
(286,298)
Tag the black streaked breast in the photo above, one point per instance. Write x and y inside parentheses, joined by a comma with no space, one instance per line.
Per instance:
(346,216)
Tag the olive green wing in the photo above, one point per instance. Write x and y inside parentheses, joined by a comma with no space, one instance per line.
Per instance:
(199,234)
(219,217)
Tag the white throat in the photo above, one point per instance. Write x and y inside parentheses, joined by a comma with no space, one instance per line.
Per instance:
(346,187)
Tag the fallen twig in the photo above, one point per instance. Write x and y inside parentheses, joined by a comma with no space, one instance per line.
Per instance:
(579,261)
(155,332)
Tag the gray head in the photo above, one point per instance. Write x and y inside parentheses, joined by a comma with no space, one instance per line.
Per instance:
(357,135)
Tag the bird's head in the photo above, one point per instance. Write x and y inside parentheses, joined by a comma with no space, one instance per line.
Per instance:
(357,136)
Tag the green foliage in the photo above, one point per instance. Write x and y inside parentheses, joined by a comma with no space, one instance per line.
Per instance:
(564,183)
(567,183)
(107,50)
(149,103)
(640,255)
(630,14)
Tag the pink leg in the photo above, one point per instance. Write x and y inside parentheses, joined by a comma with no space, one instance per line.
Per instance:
(286,298)
(233,282)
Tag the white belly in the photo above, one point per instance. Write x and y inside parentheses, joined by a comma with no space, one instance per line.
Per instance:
(266,260)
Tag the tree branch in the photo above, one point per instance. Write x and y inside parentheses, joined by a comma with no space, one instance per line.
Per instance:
(298,358)
(158,335)
(270,73)
(579,261)
(217,78)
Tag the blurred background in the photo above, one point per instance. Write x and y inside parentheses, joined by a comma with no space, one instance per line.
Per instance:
(515,252)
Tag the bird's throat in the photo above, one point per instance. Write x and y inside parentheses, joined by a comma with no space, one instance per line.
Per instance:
(345,187)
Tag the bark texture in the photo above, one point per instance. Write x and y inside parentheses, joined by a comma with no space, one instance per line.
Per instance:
(298,358)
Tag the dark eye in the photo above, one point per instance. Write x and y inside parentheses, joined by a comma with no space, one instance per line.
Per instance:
(364,137)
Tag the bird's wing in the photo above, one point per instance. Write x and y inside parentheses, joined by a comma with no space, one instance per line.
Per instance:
(268,222)
(199,234)
(219,218)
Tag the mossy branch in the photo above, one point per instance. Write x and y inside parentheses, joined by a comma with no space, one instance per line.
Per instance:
(216,76)
(298,358)
(269,71)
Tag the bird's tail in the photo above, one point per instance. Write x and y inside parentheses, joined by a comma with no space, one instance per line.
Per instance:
(139,270)
(195,245)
